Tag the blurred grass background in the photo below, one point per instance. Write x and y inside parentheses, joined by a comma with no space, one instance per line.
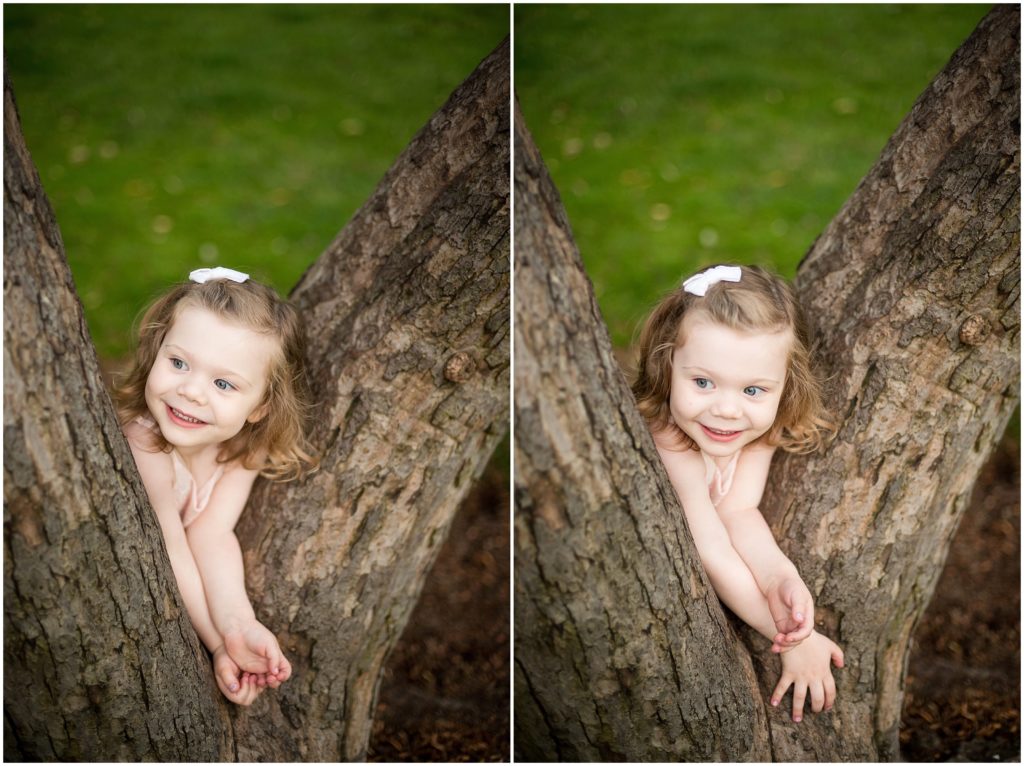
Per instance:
(169,138)
(682,135)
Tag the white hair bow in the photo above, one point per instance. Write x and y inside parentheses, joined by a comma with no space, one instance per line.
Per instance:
(698,284)
(205,275)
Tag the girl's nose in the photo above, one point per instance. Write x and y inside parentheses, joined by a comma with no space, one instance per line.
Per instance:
(191,391)
(725,406)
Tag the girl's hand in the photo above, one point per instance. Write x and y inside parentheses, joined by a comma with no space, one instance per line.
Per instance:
(233,683)
(792,609)
(263,680)
(806,668)
(256,651)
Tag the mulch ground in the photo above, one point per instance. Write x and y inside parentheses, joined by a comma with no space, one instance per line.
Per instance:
(445,694)
(963,685)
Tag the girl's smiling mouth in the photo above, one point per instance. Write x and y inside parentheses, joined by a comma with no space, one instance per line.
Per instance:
(719,436)
(182,419)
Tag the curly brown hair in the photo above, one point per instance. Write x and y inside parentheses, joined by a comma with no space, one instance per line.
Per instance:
(275,444)
(762,302)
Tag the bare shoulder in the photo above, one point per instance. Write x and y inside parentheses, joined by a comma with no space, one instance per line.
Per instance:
(236,474)
(139,436)
(154,465)
(759,455)
(678,461)
(227,501)
(749,482)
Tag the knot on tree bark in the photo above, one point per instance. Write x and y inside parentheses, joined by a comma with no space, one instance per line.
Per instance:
(975,330)
(460,367)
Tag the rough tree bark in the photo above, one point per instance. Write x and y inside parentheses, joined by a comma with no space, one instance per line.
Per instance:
(914,293)
(407,317)
(100,660)
(612,617)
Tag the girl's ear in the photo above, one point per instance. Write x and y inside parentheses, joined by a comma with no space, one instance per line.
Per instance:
(259,413)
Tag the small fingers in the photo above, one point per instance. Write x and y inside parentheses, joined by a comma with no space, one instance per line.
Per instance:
(799,695)
(274,658)
(780,690)
(248,695)
(837,656)
(830,692)
(802,631)
(229,680)
(285,671)
(817,690)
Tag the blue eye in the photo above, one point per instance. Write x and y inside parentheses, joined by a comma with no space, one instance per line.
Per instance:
(702,383)
(223,385)
(177,363)
(753,390)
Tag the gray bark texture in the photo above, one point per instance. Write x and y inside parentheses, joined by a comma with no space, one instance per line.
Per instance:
(913,294)
(407,317)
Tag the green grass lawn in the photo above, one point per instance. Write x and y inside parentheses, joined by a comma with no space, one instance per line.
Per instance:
(174,137)
(681,135)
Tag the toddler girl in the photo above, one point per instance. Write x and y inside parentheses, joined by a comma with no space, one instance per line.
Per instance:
(723,379)
(215,398)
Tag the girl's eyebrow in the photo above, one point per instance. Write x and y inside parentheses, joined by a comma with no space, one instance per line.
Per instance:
(222,371)
(712,375)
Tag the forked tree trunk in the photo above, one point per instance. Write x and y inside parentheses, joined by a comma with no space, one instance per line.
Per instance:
(407,318)
(913,291)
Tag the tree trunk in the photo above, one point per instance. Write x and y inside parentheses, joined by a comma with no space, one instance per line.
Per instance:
(410,361)
(100,659)
(913,291)
(407,318)
(622,652)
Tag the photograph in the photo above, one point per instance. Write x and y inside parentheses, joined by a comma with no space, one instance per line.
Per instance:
(257,360)
(766,348)
(511,382)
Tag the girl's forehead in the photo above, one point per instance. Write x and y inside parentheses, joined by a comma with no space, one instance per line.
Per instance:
(718,348)
(700,327)
(207,334)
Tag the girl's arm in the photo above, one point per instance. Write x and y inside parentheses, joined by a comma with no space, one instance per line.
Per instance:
(190,584)
(157,477)
(777,578)
(729,574)
(218,556)
(155,470)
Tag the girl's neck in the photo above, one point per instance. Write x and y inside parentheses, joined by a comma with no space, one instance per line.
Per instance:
(196,459)
(721,463)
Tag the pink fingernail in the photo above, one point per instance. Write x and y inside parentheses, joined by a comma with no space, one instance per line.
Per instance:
(233,687)
(775,703)
(799,615)
(797,720)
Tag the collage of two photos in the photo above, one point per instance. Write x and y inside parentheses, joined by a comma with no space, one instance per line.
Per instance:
(491,383)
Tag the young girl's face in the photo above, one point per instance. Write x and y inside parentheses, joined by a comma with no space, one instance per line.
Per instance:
(726,385)
(208,379)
